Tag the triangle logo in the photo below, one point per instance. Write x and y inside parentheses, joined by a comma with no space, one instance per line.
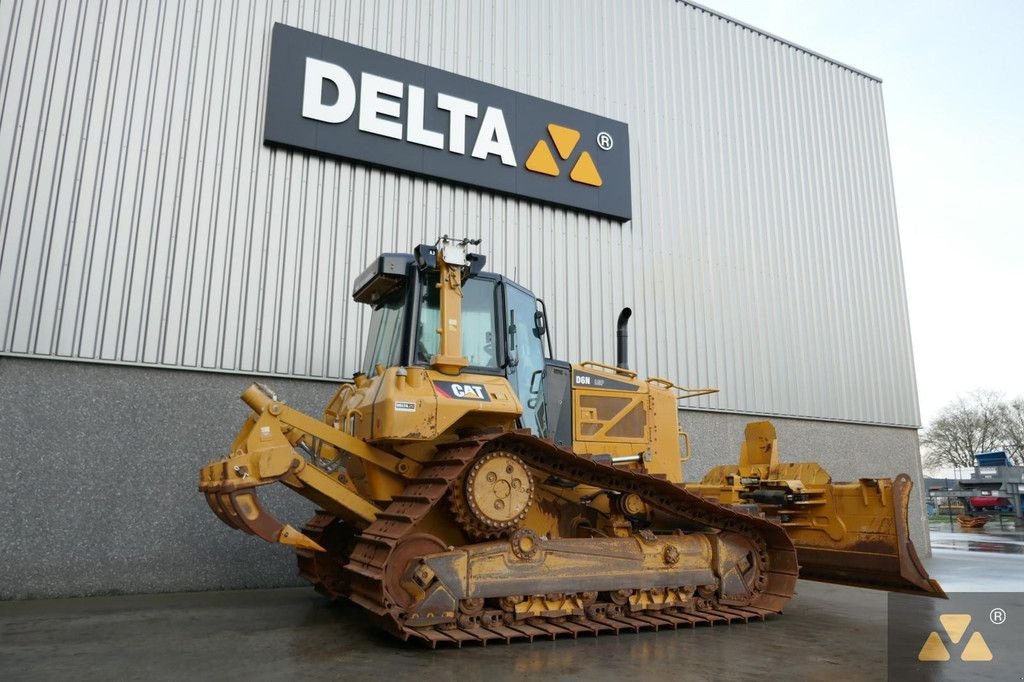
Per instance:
(976,649)
(955,625)
(542,161)
(585,171)
(933,649)
(565,139)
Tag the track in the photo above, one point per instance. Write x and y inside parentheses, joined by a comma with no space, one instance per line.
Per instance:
(326,571)
(368,566)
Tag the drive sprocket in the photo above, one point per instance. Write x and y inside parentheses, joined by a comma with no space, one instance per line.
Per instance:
(492,498)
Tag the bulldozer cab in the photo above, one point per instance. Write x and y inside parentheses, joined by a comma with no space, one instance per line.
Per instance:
(503,327)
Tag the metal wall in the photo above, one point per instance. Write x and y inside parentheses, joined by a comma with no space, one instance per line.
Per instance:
(142,221)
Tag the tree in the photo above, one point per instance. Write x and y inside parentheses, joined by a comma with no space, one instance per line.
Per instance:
(964,428)
(1012,423)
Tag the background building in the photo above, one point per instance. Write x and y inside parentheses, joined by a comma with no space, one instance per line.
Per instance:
(145,229)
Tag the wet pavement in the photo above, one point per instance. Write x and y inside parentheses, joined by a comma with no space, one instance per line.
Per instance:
(827,631)
(998,536)
(1003,526)
(282,634)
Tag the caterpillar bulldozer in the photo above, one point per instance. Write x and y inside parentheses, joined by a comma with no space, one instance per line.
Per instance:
(470,487)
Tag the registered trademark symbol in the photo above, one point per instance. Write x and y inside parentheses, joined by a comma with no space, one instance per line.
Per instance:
(605,141)
(997,616)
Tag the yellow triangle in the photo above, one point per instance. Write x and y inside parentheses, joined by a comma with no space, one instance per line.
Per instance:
(541,160)
(976,649)
(955,624)
(585,171)
(933,649)
(565,139)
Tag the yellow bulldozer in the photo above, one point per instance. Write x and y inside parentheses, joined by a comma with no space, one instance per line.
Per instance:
(470,487)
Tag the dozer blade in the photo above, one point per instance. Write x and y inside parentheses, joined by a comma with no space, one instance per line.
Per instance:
(852,533)
(875,550)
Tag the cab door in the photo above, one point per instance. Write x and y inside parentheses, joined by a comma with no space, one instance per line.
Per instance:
(524,354)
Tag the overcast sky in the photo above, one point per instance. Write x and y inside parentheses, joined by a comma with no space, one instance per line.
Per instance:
(953,84)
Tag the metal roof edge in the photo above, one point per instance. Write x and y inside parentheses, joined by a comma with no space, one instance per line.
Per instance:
(772,36)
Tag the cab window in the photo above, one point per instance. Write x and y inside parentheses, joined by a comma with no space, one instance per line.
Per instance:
(384,340)
(479,326)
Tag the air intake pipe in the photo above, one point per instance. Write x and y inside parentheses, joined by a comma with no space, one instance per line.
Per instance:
(622,340)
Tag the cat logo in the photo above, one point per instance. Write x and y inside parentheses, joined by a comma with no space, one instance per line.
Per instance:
(458,391)
(541,159)
(955,625)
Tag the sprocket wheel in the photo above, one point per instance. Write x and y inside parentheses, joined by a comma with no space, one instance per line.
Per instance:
(493,497)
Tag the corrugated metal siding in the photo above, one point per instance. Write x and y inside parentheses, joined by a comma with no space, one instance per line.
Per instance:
(144,222)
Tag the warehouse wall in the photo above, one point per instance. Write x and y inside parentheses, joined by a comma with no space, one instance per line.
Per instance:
(99,481)
(100,464)
(143,222)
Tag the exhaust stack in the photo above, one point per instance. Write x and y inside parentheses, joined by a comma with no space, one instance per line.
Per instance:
(622,337)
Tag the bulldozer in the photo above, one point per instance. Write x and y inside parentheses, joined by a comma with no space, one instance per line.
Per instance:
(471,488)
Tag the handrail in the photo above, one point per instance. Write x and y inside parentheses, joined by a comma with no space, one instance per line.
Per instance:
(610,368)
(687,392)
(695,392)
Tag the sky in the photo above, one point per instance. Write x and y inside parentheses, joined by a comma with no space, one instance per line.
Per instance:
(953,85)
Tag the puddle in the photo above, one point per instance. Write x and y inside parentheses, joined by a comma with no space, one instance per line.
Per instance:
(979,546)
(998,536)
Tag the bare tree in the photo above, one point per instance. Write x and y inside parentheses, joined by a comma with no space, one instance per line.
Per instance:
(964,428)
(1011,419)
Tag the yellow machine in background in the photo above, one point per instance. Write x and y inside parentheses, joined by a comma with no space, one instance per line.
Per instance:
(470,487)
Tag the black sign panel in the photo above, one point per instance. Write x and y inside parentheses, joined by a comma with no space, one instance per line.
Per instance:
(339,99)
(460,391)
